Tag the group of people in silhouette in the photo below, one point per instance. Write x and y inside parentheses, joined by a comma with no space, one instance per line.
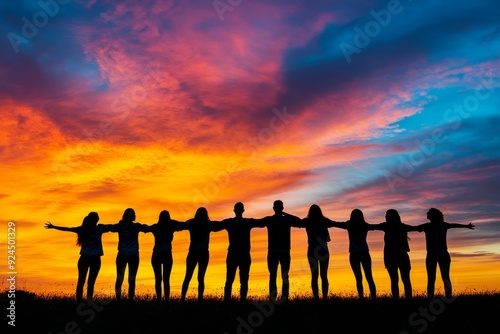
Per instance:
(396,248)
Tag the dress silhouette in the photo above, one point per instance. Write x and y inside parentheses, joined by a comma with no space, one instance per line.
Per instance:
(278,245)
(161,259)
(437,250)
(89,237)
(359,254)
(128,252)
(396,250)
(238,252)
(199,230)
(318,255)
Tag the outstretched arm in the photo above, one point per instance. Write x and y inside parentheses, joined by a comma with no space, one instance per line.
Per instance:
(294,220)
(469,226)
(179,226)
(332,223)
(61,228)
(258,222)
(108,227)
(144,228)
(217,226)
(418,228)
(376,227)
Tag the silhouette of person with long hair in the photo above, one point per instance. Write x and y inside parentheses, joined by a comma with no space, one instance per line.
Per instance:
(359,253)
(278,253)
(128,252)
(238,252)
(396,250)
(161,259)
(318,255)
(437,249)
(89,238)
(199,228)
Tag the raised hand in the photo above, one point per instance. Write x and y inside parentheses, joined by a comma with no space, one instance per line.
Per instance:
(49,225)
(471,226)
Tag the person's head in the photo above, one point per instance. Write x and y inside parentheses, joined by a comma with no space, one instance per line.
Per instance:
(278,206)
(201,214)
(435,215)
(164,217)
(357,216)
(315,212)
(239,209)
(392,216)
(128,215)
(93,218)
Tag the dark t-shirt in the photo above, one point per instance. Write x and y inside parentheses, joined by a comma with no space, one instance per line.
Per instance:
(395,238)
(357,232)
(278,231)
(128,237)
(317,232)
(199,232)
(165,234)
(238,231)
(435,236)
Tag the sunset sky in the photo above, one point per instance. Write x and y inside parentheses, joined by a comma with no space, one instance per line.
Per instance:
(173,105)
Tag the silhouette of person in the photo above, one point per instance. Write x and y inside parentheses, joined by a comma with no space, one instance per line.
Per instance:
(89,238)
(199,231)
(437,249)
(161,259)
(278,253)
(238,252)
(396,250)
(128,252)
(318,255)
(359,253)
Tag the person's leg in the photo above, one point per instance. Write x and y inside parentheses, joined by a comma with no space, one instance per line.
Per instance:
(394,276)
(324,261)
(285,260)
(83,267)
(405,278)
(95,266)
(121,263)
(202,269)
(404,268)
(167,270)
(245,262)
(231,266)
(354,260)
(191,262)
(444,268)
(313,265)
(431,266)
(272,266)
(156,264)
(366,262)
(133,266)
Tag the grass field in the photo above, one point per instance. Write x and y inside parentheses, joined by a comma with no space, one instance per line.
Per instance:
(474,313)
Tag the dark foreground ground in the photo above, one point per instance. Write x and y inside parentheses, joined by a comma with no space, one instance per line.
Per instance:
(464,314)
